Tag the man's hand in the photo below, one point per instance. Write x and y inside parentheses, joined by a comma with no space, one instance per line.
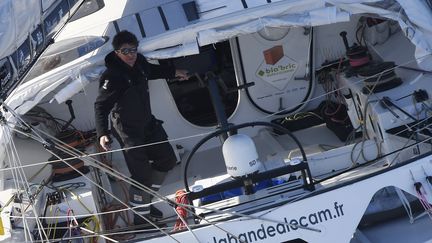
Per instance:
(181,74)
(105,142)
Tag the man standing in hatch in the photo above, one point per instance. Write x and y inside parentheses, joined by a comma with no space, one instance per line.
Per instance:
(123,89)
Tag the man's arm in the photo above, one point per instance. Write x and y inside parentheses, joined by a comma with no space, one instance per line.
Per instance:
(162,71)
(108,95)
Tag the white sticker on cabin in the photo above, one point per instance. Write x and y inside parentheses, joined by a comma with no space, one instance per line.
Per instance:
(279,74)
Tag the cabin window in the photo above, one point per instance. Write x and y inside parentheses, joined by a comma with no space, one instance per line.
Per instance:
(88,7)
(192,97)
(63,52)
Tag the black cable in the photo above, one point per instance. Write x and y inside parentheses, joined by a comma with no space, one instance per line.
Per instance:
(235,128)
(54,119)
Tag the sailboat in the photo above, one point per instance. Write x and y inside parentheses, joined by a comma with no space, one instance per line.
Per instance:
(302,121)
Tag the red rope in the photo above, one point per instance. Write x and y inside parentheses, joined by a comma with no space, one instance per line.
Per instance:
(423,200)
(180,198)
(357,62)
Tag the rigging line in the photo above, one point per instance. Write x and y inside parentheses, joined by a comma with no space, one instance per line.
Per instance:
(369,163)
(150,191)
(358,81)
(24,178)
(77,215)
(99,165)
(398,152)
(270,115)
(78,156)
(249,216)
(187,207)
(127,230)
(186,225)
(11,160)
(138,146)
(383,156)
(397,155)
(96,234)
(16,176)
(18,117)
(98,153)
(106,233)
(112,172)
(132,182)
(129,180)
(142,187)
(21,173)
(406,204)
(220,212)
(112,195)
(408,128)
(80,237)
(396,134)
(120,176)
(365,135)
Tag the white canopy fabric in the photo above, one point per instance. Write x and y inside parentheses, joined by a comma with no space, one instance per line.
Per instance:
(414,17)
(17,19)
(222,19)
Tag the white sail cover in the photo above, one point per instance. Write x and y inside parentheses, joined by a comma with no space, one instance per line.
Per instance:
(17,19)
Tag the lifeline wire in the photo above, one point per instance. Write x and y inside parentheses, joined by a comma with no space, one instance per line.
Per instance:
(142,187)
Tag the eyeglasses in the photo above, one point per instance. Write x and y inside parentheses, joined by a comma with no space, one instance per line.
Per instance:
(126,51)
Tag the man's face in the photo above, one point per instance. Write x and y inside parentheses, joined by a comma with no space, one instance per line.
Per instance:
(127,53)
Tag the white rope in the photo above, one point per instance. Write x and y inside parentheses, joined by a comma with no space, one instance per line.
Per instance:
(100,187)
(20,175)
(405,203)
(128,180)
(113,196)
(346,86)
(154,193)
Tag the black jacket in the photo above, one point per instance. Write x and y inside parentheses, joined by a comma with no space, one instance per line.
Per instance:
(124,90)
